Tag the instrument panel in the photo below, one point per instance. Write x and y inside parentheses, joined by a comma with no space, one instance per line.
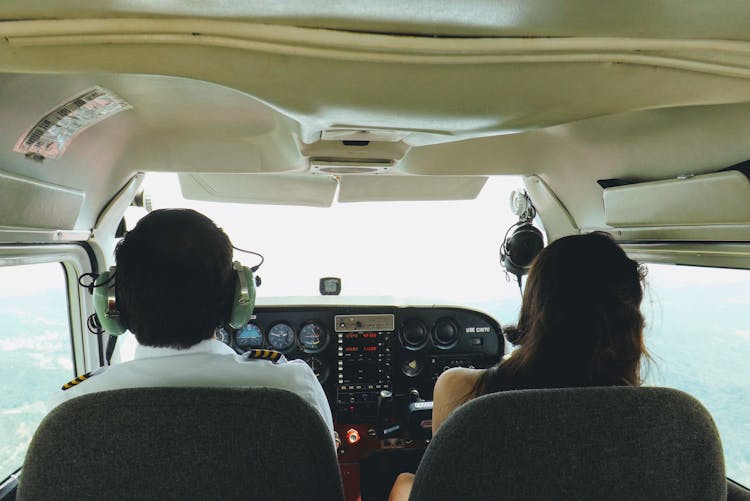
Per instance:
(357,352)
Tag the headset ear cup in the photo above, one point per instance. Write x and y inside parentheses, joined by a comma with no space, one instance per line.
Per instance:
(520,248)
(105,307)
(506,261)
(244,297)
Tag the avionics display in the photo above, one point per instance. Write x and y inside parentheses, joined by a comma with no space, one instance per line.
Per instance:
(364,364)
(364,361)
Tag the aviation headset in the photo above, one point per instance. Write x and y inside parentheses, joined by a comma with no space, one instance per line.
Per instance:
(523,241)
(521,244)
(111,319)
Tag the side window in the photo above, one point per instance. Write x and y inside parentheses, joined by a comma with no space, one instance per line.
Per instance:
(698,334)
(35,353)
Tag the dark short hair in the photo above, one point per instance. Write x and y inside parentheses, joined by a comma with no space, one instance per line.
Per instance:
(174,279)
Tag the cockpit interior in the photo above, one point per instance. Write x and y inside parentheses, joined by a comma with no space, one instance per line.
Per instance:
(367,153)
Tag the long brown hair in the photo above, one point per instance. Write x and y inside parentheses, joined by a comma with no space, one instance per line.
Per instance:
(580,320)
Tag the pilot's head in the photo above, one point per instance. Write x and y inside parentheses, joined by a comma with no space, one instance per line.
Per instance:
(175,282)
(581,319)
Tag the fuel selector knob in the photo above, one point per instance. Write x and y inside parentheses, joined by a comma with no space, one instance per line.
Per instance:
(414,334)
(352,436)
(445,333)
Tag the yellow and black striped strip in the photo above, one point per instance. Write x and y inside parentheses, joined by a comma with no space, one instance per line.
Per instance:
(77,380)
(271,355)
(80,379)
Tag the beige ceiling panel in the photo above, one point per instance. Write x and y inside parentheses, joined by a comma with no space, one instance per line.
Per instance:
(343,80)
(272,189)
(176,124)
(28,203)
(645,18)
(636,146)
(367,188)
(639,144)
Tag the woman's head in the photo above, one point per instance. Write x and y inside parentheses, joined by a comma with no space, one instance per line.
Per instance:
(580,319)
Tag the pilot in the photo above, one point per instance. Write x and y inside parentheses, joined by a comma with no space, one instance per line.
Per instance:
(175,284)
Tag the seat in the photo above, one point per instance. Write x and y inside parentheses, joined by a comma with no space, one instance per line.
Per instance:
(182,443)
(578,443)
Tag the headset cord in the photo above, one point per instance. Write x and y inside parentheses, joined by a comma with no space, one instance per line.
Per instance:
(95,328)
(262,259)
(111,343)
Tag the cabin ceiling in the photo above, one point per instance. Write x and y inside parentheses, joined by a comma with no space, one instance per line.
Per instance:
(571,92)
(478,18)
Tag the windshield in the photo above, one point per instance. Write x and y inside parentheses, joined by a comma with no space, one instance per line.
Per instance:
(423,253)
(442,252)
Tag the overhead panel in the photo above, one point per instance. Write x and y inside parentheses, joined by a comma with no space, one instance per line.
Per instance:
(271,189)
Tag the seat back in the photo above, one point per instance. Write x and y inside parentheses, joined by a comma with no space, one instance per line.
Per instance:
(577,443)
(182,443)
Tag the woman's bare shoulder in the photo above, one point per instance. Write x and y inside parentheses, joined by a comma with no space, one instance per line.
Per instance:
(453,388)
(458,381)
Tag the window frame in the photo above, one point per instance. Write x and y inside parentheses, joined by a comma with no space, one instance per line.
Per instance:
(735,255)
(75,259)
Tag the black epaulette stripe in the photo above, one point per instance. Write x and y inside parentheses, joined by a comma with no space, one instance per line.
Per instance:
(272,355)
(77,380)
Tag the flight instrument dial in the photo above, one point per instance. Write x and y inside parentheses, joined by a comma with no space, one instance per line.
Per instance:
(281,337)
(313,337)
(249,337)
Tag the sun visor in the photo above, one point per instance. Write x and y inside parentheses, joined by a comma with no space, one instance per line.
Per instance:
(371,188)
(270,189)
(719,198)
(28,203)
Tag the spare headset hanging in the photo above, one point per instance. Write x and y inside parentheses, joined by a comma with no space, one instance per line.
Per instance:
(523,241)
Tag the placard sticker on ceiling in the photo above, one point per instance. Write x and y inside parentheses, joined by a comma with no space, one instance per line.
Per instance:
(52,135)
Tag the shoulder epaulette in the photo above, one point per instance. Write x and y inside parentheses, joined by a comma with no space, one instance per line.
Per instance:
(83,377)
(271,355)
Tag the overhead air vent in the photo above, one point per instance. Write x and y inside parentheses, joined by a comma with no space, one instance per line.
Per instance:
(349,166)
(380,135)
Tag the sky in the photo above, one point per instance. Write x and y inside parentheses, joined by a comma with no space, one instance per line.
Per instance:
(30,279)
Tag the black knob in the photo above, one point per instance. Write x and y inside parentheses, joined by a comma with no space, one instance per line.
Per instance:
(414,395)
(445,332)
(414,333)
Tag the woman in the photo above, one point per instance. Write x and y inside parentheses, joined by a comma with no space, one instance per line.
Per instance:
(580,325)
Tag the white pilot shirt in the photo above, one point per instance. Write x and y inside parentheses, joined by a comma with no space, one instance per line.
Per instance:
(207,364)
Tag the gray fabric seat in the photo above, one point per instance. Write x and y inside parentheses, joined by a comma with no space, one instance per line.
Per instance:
(578,443)
(735,492)
(182,443)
